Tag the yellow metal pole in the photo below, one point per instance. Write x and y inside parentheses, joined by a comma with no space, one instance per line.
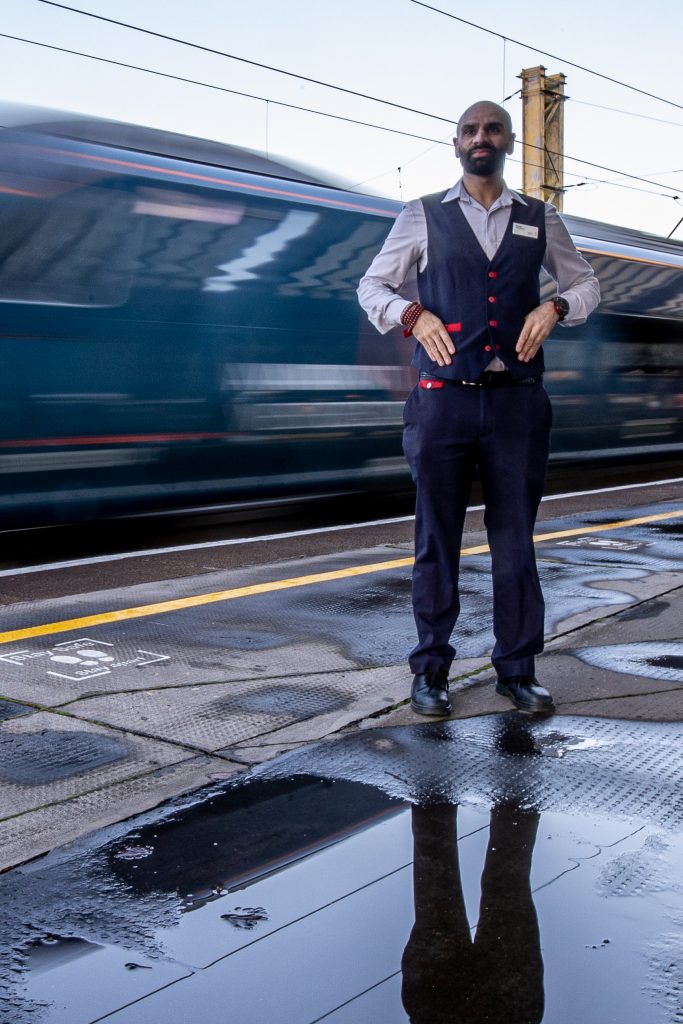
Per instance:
(554,139)
(543,134)
(533,86)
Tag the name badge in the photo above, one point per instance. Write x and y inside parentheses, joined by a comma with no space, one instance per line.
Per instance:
(525,230)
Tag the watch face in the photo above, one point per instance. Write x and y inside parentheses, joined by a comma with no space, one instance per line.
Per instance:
(561,306)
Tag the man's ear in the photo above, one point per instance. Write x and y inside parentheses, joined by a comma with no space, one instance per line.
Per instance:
(511,144)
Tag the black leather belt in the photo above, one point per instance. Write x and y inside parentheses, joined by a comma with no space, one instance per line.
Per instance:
(488,379)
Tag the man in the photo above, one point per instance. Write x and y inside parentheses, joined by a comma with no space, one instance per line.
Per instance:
(476,313)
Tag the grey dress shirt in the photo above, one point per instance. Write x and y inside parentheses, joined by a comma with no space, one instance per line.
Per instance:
(390,283)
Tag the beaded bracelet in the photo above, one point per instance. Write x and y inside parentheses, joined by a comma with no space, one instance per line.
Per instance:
(410,316)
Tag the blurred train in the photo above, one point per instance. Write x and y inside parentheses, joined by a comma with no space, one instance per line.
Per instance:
(180,330)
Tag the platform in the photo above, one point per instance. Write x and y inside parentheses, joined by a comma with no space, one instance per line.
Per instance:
(118,699)
(240,813)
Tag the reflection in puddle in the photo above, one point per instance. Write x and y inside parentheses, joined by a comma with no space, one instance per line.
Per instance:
(495,975)
(490,870)
(52,951)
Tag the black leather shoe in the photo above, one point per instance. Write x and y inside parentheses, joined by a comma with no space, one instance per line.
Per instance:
(429,695)
(525,693)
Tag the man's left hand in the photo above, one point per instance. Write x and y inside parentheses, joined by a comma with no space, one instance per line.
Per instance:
(537,326)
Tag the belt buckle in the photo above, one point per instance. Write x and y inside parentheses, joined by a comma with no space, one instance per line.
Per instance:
(471,383)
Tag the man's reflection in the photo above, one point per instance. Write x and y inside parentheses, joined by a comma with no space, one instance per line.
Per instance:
(497,976)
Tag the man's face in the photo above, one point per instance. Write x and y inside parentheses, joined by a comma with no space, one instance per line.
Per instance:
(484,139)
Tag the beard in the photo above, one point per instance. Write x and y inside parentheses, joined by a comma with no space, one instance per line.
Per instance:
(484,166)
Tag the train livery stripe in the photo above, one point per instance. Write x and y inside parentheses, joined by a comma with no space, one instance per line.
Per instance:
(65,442)
(628,257)
(195,601)
(212,179)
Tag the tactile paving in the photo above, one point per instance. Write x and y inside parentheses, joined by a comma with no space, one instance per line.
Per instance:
(622,769)
(49,758)
(31,759)
(214,717)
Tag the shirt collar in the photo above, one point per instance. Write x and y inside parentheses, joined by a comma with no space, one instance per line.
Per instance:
(506,198)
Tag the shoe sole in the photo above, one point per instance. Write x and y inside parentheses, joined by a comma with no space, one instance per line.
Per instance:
(549,706)
(431,712)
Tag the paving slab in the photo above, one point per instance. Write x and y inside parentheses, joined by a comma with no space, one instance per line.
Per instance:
(47,757)
(125,658)
(214,717)
(33,833)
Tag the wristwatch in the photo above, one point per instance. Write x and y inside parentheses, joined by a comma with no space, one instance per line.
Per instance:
(561,307)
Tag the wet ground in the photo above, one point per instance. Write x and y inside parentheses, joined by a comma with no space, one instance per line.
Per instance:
(325,854)
(504,869)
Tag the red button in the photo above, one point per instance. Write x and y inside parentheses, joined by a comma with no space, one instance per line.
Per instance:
(487,348)
(493,273)
(492,298)
(493,323)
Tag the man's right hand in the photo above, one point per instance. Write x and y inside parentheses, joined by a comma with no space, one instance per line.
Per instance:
(434,338)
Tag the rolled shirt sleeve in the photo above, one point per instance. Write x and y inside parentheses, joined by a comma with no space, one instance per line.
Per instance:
(390,283)
(574,276)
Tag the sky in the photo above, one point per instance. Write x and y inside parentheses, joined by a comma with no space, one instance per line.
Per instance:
(399,51)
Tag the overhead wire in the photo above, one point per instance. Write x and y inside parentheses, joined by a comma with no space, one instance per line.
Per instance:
(219,88)
(403,107)
(353,92)
(620,110)
(163,74)
(536,49)
(675,227)
(420,3)
(242,60)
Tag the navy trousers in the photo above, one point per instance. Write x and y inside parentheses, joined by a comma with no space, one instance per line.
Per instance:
(505,433)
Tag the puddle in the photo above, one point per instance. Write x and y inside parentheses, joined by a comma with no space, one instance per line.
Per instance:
(50,952)
(668,661)
(657,659)
(484,871)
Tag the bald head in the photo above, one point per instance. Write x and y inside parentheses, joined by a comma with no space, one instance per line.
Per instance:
(484,139)
(488,110)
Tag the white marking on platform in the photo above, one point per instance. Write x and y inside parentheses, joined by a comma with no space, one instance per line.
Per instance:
(83,658)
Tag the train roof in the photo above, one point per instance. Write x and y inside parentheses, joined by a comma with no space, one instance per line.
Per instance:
(595,229)
(157,142)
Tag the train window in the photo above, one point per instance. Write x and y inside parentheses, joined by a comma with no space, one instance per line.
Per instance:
(67,246)
(156,202)
(639,287)
(252,249)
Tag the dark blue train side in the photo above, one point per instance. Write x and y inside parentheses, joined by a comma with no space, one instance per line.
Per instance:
(180,329)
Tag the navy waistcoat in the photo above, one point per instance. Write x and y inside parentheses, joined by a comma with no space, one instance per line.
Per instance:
(482,302)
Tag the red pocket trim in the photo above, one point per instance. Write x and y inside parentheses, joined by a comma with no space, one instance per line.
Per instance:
(452,328)
(431,385)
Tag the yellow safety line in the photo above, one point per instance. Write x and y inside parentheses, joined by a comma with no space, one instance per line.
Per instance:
(123,614)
